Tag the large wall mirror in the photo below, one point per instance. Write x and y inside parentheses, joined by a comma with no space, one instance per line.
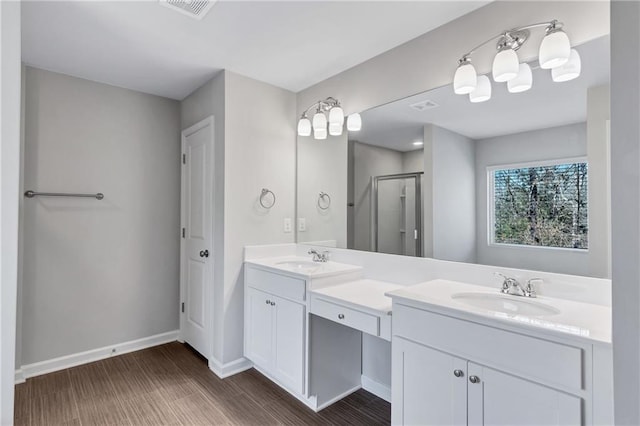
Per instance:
(521,180)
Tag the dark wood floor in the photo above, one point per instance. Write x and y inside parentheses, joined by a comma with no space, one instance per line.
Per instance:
(172,385)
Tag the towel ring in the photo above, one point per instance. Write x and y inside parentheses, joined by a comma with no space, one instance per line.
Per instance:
(322,196)
(264,192)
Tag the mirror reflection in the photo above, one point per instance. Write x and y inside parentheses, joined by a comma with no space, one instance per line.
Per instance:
(521,180)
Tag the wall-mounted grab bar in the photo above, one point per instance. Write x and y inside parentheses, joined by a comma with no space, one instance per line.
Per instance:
(31,194)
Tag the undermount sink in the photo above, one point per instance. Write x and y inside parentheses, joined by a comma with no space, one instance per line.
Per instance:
(299,265)
(513,305)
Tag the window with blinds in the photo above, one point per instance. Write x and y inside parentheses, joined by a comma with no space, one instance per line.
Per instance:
(542,205)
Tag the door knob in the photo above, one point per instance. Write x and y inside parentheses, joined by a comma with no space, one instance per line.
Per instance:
(204,253)
(458,373)
(474,379)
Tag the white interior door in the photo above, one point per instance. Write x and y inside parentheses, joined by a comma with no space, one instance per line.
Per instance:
(197,236)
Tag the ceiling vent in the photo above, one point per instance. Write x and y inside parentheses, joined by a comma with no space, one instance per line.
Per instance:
(424,105)
(196,9)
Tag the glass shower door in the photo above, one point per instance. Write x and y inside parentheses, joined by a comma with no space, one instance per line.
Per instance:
(397,214)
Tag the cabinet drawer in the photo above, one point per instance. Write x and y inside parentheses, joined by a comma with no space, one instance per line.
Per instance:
(279,285)
(350,317)
(537,359)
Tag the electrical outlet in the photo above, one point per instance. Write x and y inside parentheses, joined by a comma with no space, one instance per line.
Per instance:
(287,224)
(302,224)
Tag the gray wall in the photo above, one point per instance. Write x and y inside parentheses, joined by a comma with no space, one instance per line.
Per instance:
(260,140)
(449,196)
(98,272)
(322,166)
(538,145)
(370,161)
(9,180)
(206,101)
(255,149)
(625,202)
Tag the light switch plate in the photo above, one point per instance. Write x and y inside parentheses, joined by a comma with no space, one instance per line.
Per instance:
(287,224)
(302,224)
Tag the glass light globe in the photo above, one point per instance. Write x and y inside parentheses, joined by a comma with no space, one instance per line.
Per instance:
(335,129)
(465,79)
(304,127)
(336,116)
(319,121)
(354,122)
(505,65)
(320,133)
(483,90)
(570,70)
(555,49)
(523,81)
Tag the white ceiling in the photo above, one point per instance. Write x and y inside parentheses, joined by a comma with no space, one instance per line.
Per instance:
(547,104)
(150,48)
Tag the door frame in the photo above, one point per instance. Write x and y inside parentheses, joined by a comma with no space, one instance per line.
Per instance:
(208,305)
(374,207)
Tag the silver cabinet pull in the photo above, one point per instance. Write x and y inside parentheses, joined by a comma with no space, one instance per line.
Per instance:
(474,379)
(458,373)
(340,316)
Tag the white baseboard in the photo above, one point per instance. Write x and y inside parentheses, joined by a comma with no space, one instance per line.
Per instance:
(337,398)
(68,361)
(19,378)
(376,388)
(230,368)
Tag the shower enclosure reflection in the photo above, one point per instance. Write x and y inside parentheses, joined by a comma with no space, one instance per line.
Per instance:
(396,212)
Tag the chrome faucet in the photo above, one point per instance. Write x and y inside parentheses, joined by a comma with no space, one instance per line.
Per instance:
(319,257)
(511,286)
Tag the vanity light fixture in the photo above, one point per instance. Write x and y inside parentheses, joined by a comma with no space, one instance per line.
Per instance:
(483,90)
(354,122)
(570,70)
(418,143)
(321,126)
(555,54)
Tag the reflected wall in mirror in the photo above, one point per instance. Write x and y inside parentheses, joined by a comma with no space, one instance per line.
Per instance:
(521,180)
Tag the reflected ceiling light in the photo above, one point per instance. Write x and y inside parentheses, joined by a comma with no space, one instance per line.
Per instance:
(418,143)
(523,81)
(483,91)
(354,122)
(555,52)
(570,70)
(320,133)
(335,129)
(321,124)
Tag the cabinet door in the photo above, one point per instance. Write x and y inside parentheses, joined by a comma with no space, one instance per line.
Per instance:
(501,399)
(289,329)
(425,389)
(259,342)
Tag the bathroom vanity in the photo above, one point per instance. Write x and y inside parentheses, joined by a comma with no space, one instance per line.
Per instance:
(303,324)
(461,353)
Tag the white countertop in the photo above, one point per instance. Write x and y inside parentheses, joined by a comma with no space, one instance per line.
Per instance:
(315,270)
(369,294)
(582,320)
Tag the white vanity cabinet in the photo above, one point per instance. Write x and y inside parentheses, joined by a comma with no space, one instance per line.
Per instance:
(275,326)
(452,371)
(436,388)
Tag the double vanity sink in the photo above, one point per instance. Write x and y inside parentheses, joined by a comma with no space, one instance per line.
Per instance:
(304,322)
